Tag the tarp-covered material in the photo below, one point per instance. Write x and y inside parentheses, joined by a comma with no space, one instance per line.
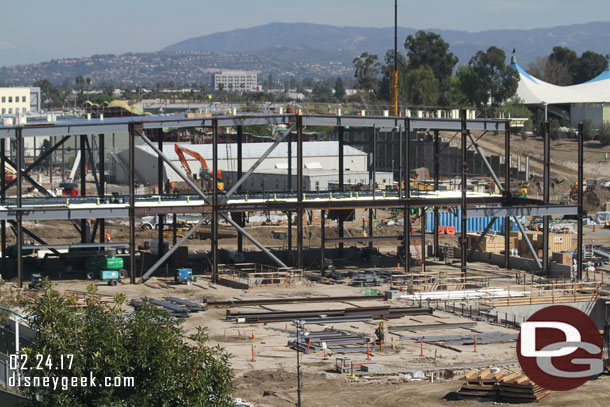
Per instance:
(536,91)
(601,217)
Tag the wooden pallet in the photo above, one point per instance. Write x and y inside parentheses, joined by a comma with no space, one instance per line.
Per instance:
(480,385)
(518,388)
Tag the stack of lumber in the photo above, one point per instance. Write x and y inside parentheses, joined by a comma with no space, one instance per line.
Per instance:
(518,388)
(480,386)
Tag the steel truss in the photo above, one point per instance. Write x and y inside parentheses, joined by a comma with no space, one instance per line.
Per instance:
(22,209)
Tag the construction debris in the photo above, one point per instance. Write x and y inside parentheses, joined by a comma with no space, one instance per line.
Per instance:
(176,307)
(335,341)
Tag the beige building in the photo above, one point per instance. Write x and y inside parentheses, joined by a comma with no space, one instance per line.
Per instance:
(238,81)
(14,101)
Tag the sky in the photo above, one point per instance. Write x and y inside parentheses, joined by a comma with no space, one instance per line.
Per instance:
(71,28)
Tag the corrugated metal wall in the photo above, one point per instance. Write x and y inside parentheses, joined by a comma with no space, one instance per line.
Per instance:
(475,225)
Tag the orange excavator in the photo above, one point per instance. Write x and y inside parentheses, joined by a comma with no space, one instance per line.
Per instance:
(206,179)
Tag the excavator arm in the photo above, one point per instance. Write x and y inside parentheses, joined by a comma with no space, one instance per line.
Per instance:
(180,154)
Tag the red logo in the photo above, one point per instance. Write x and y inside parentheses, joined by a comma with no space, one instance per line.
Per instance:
(560,348)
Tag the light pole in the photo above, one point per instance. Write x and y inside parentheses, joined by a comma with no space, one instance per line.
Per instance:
(300,325)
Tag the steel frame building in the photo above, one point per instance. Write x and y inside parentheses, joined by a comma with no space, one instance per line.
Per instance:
(215,206)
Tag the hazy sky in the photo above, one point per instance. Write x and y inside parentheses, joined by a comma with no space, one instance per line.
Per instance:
(81,28)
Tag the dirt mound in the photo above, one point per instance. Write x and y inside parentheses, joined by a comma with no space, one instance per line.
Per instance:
(593,200)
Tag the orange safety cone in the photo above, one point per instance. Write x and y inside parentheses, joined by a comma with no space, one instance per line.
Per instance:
(253,334)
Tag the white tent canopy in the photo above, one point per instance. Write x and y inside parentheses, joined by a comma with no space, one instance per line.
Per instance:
(535,91)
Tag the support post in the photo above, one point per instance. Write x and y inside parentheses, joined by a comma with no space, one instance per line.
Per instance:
(215,201)
(242,215)
(423,239)
(464,187)
(132,201)
(437,153)
(289,214)
(323,239)
(160,186)
(341,221)
(579,248)
(19,152)
(507,194)
(407,196)
(2,199)
(102,190)
(299,120)
(547,197)
(83,184)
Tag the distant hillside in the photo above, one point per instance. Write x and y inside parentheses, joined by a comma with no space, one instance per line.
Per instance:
(530,44)
(289,49)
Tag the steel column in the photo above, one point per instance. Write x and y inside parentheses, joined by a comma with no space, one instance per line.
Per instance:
(507,194)
(132,202)
(323,239)
(19,159)
(2,199)
(423,239)
(83,184)
(161,187)
(242,215)
(407,195)
(299,120)
(580,231)
(464,187)
(215,201)
(289,214)
(341,221)
(437,157)
(529,244)
(547,197)
(102,190)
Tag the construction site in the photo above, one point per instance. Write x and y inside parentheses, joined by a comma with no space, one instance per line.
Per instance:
(343,260)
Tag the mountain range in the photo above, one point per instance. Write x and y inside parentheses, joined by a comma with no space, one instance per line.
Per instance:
(288,49)
(594,36)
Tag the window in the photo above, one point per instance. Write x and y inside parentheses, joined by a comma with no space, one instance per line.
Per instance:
(23,110)
(3,110)
(10,99)
(10,110)
(3,99)
(23,99)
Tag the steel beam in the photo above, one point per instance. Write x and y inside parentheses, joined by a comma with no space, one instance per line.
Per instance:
(364,239)
(341,222)
(160,186)
(480,239)
(437,157)
(547,196)
(102,190)
(18,168)
(2,198)
(507,193)
(258,162)
(529,244)
(580,231)
(299,126)
(214,224)
(203,196)
(464,187)
(76,246)
(132,203)
(482,155)
(240,141)
(322,239)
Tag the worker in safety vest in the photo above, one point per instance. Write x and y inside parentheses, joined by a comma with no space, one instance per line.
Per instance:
(107,237)
(380,335)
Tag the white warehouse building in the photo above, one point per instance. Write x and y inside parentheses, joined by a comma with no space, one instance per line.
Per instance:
(320,160)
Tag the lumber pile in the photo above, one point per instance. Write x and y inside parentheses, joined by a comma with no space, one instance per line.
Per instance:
(480,386)
(518,388)
(500,386)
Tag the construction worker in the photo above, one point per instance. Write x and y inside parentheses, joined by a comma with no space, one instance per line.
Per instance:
(169,186)
(379,334)
(107,237)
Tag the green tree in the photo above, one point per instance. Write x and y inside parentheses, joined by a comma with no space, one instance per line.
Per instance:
(603,134)
(322,92)
(587,130)
(366,71)
(566,57)
(589,66)
(422,86)
(551,71)
(429,49)
(339,89)
(147,344)
(489,79)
